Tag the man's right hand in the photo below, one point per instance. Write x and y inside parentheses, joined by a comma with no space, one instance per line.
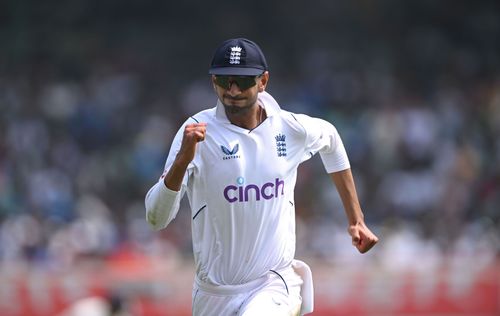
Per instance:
(193,134)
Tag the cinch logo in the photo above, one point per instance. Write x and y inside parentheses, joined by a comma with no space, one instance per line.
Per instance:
(230,154)
(242,193)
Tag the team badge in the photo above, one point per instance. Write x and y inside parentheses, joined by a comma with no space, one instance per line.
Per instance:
(280,145)
(235,55)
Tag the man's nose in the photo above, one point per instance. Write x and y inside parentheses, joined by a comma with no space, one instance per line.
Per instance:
(233,89)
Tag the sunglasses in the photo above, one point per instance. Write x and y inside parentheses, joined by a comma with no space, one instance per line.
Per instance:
(243,82)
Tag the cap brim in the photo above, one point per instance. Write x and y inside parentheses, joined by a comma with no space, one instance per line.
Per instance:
(236,71)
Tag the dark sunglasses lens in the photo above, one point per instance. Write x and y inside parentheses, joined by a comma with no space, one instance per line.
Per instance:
(245,82)
(242,82)
(222,81)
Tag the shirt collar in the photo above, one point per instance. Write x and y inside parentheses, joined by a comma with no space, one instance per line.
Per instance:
(264,99)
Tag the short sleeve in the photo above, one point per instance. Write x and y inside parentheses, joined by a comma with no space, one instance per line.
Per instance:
(323,138)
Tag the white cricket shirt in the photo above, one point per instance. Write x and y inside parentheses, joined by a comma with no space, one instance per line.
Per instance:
(240,187)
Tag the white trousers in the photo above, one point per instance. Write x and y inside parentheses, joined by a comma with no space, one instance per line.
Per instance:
(278,293)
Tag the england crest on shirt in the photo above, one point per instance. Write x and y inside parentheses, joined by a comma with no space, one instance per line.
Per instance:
(281,145)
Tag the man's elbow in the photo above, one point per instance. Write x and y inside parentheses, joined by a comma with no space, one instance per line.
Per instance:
(154,221)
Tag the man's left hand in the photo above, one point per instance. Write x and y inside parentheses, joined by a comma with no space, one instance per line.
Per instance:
(362,237)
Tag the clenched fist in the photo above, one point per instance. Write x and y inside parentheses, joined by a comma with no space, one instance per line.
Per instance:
(362,238)
(193,134)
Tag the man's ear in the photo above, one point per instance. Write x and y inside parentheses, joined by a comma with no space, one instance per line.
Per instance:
(263,81)
(213,82)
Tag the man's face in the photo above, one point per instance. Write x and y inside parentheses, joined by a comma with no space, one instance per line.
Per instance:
(239,94)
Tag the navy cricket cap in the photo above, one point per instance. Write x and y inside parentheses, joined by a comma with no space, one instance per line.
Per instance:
(238,57)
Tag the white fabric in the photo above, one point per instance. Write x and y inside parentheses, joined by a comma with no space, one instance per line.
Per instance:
(240,187)
(307,289)
(268,295)
(162,205)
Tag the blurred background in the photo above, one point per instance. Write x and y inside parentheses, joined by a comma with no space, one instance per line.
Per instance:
(92,92)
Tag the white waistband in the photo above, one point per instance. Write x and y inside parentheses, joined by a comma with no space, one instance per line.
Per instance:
(233,289)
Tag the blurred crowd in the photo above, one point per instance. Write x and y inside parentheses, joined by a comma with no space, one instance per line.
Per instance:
(416,101)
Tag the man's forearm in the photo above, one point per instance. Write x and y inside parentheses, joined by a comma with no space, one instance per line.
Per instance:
(175,175)
(362,237)
(344,182)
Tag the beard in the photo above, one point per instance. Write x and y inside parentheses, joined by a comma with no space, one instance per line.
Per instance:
(238,110)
